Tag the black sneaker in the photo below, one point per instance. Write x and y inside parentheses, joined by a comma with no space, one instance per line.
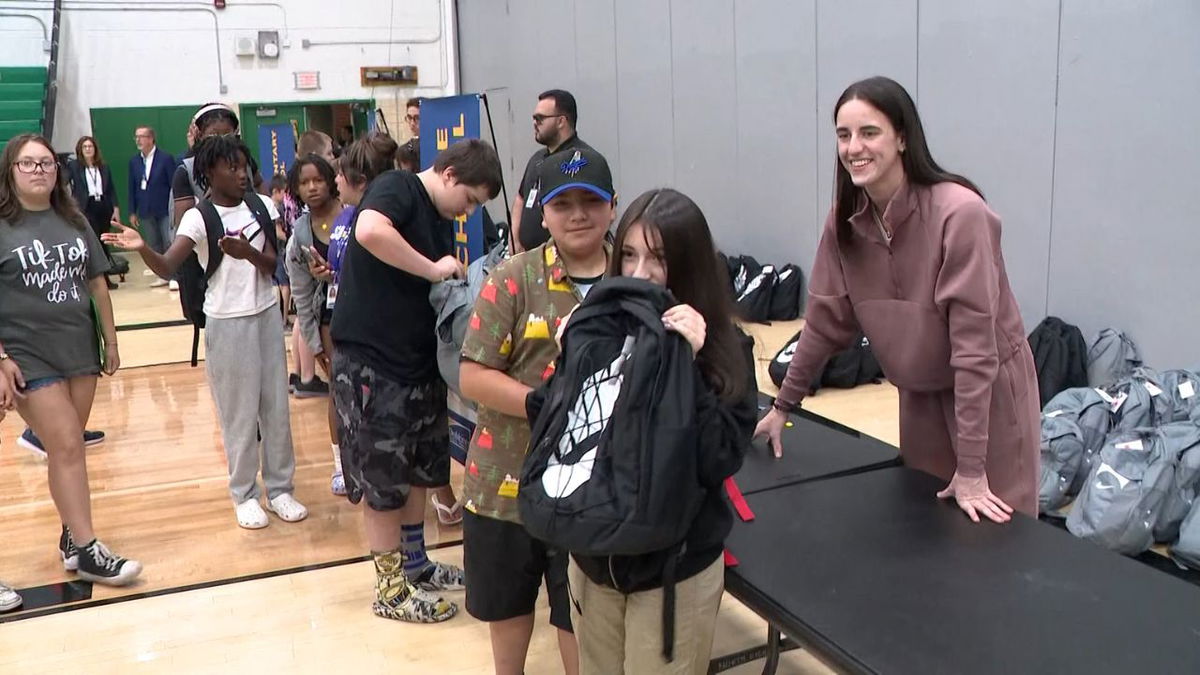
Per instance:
(312,389)
(32,443)
(293,380)
(68,550)
(100,565)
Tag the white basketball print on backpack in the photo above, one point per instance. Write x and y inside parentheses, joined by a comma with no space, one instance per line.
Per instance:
(785,356)
(585,423)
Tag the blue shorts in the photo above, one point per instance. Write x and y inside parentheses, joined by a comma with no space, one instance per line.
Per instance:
(42,382)
(280,277)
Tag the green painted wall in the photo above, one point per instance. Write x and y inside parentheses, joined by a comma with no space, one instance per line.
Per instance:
(113,129)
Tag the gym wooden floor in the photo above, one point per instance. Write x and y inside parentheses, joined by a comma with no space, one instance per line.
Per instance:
(159,495)
(135,302)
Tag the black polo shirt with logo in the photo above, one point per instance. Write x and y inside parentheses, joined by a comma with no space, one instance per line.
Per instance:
(532,233)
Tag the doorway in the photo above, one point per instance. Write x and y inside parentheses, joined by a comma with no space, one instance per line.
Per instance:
(343,121)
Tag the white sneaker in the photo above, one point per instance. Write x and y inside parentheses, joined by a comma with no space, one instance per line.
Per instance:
(9,598)
(251,516)
(287,508)
(158,283)
(147,272)
(173,285)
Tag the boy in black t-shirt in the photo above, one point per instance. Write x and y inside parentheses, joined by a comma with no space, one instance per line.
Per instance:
(390,398)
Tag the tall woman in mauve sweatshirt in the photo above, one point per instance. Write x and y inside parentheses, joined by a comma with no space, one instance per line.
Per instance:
(910,254)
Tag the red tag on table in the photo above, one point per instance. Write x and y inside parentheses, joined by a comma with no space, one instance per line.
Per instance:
(739,501)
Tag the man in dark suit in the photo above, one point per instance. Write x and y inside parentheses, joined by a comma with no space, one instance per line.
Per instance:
(150,172)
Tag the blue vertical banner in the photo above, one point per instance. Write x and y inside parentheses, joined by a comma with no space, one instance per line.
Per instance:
(444,122)
(276,149)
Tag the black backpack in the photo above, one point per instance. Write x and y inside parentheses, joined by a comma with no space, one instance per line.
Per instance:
(785,298)
(741,268)
(844,370)
(193,278)
(754,300)
(778,367)
(1059,356)
(731,268)
(597,488)
(853,366)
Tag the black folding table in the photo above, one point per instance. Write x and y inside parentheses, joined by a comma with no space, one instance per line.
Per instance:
(813,448)
(875,575)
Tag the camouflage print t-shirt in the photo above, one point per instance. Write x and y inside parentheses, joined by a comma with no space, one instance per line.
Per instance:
(512,330)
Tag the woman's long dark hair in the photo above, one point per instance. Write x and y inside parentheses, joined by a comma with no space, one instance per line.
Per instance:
(695,277)
(891,99)
(98,161)
(60,197)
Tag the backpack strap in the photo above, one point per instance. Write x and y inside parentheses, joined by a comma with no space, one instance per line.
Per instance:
(256,206)
(189,165)
(213,231)
(643,312)
(195,345)
(670,571)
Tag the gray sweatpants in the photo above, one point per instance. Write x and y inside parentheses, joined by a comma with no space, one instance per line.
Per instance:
(247,374)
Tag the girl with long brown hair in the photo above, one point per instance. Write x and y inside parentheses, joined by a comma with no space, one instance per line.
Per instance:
(53,305)
(911,256)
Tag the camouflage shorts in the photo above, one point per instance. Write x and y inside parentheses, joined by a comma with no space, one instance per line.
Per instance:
(394,436)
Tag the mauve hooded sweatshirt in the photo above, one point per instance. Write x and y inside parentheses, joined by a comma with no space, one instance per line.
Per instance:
(937,307)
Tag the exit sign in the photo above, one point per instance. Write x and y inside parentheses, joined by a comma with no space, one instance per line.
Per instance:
(307,79)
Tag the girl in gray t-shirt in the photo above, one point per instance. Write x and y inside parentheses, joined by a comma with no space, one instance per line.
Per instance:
(51,274)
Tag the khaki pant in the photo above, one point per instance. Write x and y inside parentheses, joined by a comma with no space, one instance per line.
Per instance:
(606,617)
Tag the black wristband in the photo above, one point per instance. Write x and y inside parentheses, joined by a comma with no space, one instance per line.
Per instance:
(783,407)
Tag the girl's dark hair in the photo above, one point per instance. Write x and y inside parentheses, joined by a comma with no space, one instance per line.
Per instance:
(409,154)
(99,160)
(215,149)
(323,168)
(695,276)
(215,112)
(368,157)
(60,197)
(891,99)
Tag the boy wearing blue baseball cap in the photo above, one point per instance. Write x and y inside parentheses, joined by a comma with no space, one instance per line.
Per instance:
(509,350)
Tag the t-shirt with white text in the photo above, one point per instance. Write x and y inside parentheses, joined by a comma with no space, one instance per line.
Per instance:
(46,323)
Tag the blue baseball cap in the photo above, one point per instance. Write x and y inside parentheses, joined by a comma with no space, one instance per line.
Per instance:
(575,168)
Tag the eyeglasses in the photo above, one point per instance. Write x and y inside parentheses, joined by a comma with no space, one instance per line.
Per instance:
(31,165)
(413,118)
(538,118)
